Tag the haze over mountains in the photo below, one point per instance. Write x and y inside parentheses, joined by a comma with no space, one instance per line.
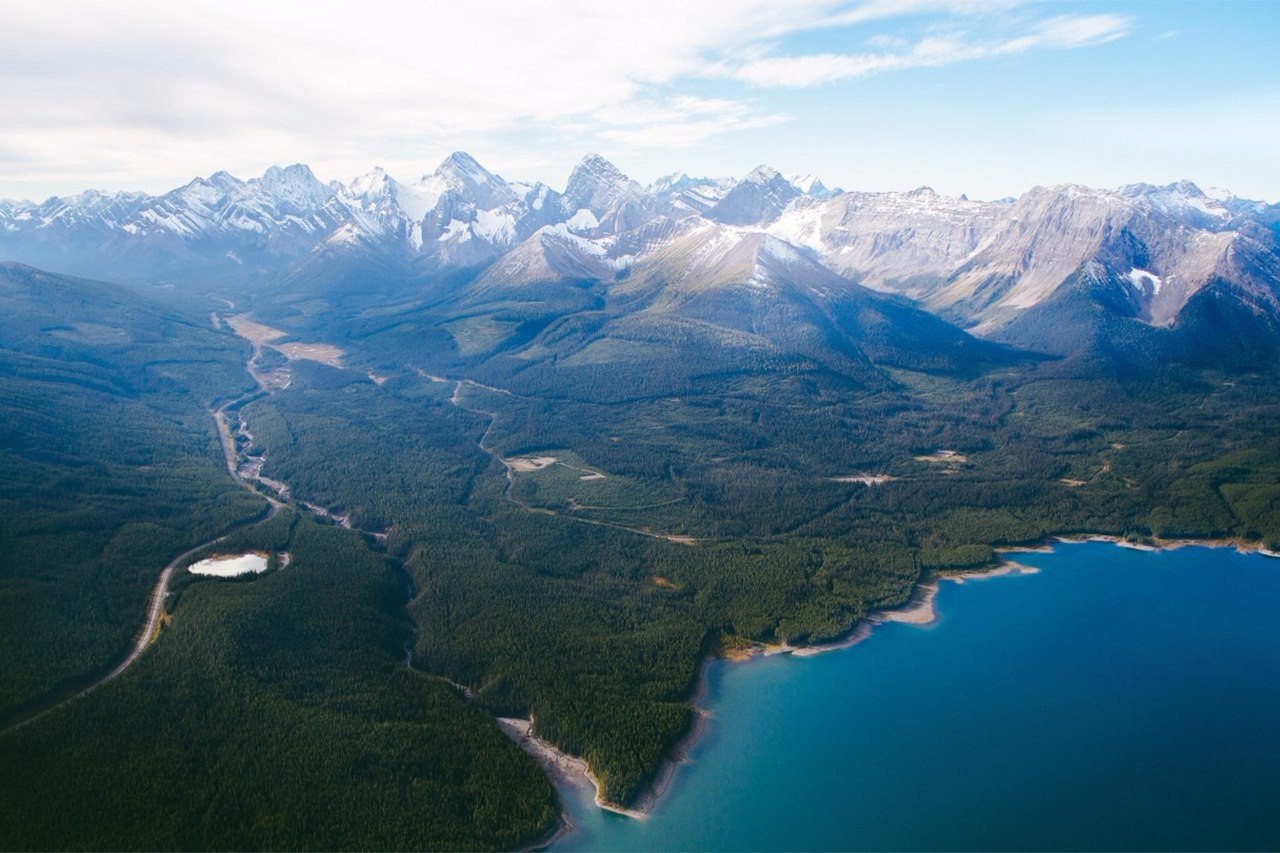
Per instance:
(1052,269)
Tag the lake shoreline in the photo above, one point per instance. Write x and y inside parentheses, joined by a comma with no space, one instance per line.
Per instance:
(1236,543)
(558,765)
(566,769)
(919,610)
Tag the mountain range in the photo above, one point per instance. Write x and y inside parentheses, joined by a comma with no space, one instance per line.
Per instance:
(575,442)
(1057,269)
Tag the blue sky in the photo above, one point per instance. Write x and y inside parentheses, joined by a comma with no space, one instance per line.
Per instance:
(985,97)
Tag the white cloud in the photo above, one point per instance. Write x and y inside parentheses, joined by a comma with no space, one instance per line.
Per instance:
(680,122)
(145,93)
(877,10)
(1060,32)
(121,93)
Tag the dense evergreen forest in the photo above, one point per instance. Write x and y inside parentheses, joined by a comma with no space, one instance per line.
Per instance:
(556,595)
(274,713)
(270,713)
(689,504)
(110,467)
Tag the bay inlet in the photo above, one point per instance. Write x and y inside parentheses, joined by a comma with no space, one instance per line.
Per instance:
(1115,699)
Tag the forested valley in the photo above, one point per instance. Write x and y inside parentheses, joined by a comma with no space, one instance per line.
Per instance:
(708,507)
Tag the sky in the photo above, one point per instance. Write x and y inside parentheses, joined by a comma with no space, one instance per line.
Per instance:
(984,97)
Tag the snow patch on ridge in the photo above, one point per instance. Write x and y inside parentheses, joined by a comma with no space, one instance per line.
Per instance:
(781,250)
(417,200)
(801,225)
(455,230)
(496,226)
(1145,281)
(583,220)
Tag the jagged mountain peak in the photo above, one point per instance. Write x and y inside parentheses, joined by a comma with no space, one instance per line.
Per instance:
(1184,187)
(463,170)
(593,175)
(1063,190)
(86,197)
(219,182)
(597,165)
(206,191)
(680,195)
(1142,251)
(374,183)
(294,172)
(222,178)
(462,161)
(762,174)
(669,183)
(295,185)
(1187,187)
(808,185)
(1181,198)
(461,174)
(757,199)
(811,186)
(615,201)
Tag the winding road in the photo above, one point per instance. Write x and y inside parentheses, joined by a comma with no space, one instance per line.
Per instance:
(159,592)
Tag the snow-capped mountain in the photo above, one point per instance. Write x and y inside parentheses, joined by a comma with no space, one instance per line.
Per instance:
(460,215)
(600,199)
(757,199)
(1140,252)
(890,241)
(210,223)
(680,195)
(1152,248)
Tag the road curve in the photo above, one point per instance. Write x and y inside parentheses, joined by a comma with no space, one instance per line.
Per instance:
(159,592)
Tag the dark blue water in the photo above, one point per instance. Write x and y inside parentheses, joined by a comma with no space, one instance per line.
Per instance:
(1115,700)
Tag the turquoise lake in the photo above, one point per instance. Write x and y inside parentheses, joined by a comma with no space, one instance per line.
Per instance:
(1116,699)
